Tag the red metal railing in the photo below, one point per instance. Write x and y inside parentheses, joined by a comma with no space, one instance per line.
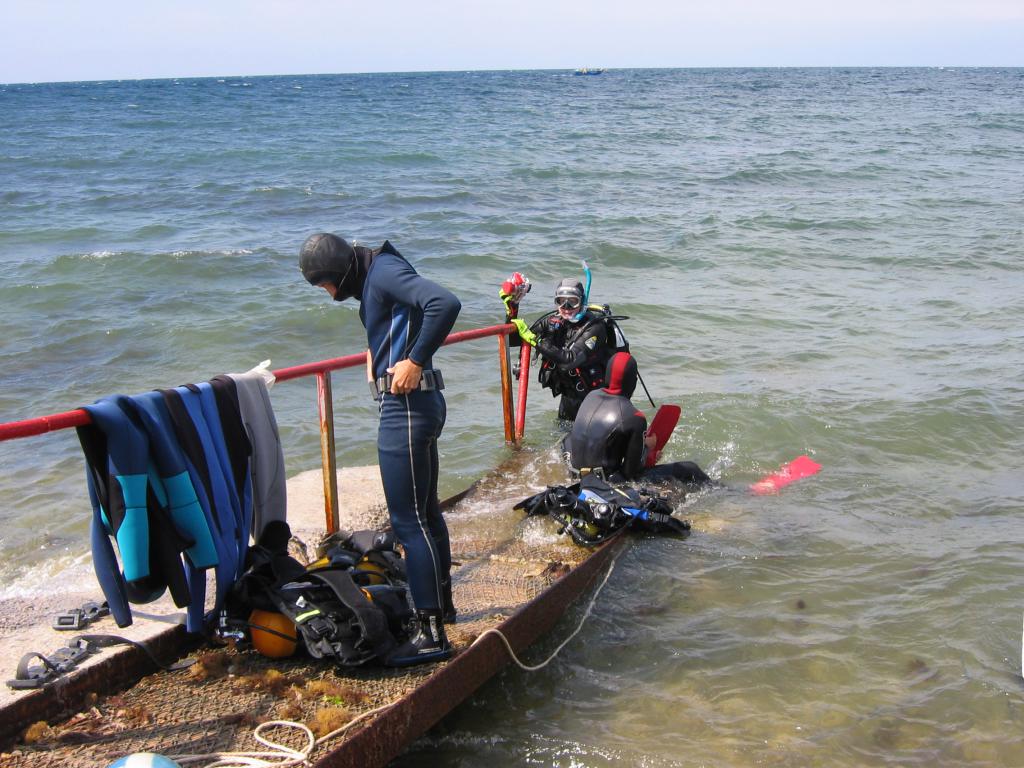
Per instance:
(325,400)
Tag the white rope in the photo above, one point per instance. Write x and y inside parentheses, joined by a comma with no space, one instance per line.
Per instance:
(284,756)
(549,659)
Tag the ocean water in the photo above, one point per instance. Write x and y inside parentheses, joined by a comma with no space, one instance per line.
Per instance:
(820,261)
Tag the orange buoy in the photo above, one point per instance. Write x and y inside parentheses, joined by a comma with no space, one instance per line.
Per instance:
(273,634)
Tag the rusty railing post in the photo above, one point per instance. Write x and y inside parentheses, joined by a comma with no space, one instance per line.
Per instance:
(524,385)
(325,401)
(506,387)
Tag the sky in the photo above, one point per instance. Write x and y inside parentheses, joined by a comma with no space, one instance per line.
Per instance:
(59,40)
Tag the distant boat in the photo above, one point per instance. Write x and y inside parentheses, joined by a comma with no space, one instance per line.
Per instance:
(589,71)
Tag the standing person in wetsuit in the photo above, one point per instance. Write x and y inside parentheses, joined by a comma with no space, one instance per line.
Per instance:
(574,348)
(609,432)
(406,318)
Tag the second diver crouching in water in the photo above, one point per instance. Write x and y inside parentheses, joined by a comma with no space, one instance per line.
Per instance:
(609,433)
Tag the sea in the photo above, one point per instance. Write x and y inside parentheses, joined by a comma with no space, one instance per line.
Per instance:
(823,261)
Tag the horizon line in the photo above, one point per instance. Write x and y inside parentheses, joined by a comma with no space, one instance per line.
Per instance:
(485,71)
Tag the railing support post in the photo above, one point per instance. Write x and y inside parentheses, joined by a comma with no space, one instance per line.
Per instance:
(506,387)
(524,385)
(325,401)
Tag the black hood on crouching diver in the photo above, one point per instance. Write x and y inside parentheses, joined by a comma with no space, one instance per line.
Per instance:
(621,374)
(328,258)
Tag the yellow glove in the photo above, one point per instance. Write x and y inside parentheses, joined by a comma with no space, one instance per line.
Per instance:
(524,332)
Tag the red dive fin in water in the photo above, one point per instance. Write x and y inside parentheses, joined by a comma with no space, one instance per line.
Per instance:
(662,424)
(797,469)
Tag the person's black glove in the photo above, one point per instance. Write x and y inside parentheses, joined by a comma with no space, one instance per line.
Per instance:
(547,349)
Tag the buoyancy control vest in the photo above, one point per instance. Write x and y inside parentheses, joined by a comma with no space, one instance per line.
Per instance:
(372,555)
(348,614)
(593,510)
(595,339)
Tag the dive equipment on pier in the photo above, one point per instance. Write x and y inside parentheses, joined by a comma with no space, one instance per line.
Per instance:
(338,606)
(592,510)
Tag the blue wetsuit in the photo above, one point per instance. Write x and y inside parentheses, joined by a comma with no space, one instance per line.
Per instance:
(408,317)
(143,495)
(204,446)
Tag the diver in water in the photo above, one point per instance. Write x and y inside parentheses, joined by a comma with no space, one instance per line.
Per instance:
(609,433)
(574,347)
(406,318)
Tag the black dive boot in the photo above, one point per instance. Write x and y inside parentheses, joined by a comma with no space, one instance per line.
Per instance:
(427,644)
(449,605)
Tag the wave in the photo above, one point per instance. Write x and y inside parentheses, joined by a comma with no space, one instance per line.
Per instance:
(456,197)
(799,224)
(552,172)
(807,175)
(409,158)
(46,236)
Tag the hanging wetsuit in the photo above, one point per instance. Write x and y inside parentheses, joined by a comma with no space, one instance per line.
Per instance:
(608,433)
(143,496)
(204,440)
(573,357)
(268,480)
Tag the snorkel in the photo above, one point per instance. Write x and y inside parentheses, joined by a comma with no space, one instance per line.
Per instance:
(586,293)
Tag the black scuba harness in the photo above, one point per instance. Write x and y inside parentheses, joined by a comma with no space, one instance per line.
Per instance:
(592,510)
(590,375)
(339,605)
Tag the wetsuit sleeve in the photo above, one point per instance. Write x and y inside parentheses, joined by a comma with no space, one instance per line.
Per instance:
(577,352)
(633,463)
(440,306)
(542,326)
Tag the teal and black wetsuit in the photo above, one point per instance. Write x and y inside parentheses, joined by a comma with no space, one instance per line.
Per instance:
(143,496)
(170,474)
(199,425)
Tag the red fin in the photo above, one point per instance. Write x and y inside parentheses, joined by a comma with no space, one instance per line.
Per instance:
(797,469)
(662,424)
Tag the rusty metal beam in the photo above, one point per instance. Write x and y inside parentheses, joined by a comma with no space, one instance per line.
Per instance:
(385,736)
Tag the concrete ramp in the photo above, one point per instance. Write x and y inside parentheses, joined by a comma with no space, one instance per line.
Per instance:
(511,573)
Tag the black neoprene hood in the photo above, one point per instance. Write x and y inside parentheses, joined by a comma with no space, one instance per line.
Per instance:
(326,258)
